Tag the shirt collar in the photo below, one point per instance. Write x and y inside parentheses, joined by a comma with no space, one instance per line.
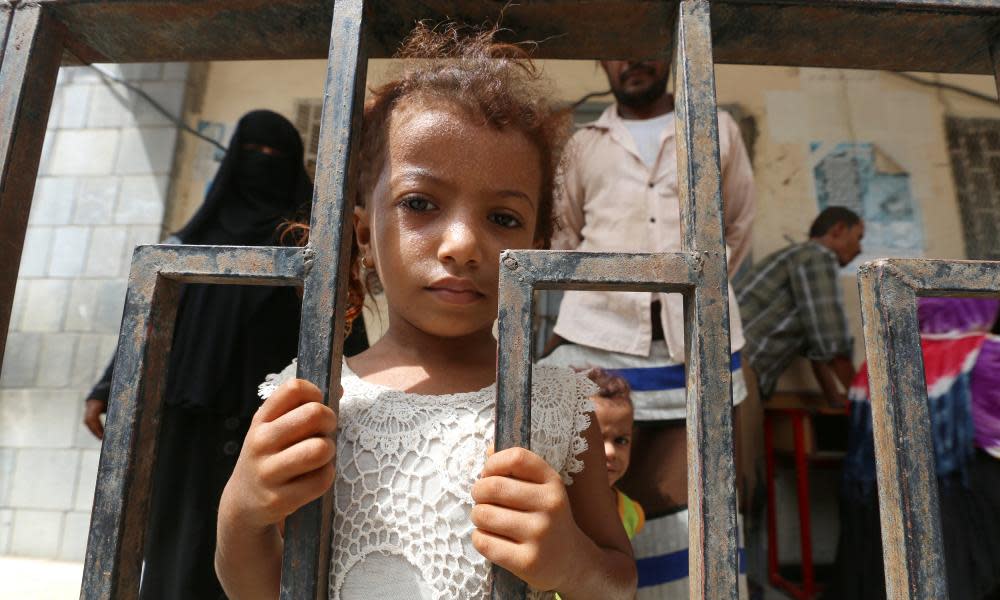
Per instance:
(825,250)
(611,123)
(610,120)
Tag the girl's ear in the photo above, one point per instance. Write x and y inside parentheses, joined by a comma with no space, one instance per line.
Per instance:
(362,229)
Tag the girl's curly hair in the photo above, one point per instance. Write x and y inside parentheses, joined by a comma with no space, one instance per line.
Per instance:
(612,386)
(491,82)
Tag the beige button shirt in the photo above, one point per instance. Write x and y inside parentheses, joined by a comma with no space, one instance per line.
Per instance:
(611,201)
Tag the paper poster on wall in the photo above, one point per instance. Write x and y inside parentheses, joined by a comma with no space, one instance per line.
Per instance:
(865,179)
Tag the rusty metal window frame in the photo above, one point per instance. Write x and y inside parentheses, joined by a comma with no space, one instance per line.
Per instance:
(114,550)
(35,33)
(700,273)
(907,483)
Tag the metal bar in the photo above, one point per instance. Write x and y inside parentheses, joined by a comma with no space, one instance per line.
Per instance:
(907,485)
(306,561)
(31,55)
(513,405)
(521,273)
(911,35)
(712,529)
(663,272)
(6,15)
(932,277)
(121,500)
(233,265)
(995,59)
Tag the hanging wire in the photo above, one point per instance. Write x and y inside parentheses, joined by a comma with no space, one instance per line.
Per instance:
(108,77)
(946,86)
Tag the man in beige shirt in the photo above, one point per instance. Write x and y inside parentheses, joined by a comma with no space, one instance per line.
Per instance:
(619,194)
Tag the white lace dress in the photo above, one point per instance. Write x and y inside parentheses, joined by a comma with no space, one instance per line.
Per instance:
(405,468)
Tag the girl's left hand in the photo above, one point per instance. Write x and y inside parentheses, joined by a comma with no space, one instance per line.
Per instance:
(524,520)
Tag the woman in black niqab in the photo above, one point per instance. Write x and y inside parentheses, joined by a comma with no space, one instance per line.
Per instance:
(228,337)
(226,340)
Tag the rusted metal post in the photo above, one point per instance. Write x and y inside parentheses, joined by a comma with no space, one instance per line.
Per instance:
(306,563)
(521,273)
(995,60)
(6,14)
(513,407)
(30,64)
(711,471)
(907,485)
(121,500)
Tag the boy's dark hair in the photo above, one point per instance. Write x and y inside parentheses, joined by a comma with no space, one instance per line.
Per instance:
(831,216)
(612,386)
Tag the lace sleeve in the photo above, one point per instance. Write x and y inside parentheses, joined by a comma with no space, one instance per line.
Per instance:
(560,414)
(274,380)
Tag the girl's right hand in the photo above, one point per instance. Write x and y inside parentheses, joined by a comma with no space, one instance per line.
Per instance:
(288,458)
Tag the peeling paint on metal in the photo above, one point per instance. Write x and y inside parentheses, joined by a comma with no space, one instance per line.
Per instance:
(31,54)
(911,531)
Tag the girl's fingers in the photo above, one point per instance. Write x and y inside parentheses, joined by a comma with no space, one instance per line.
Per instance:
(520,464)
(307,420)
(300,459)
(511,524)
(307,487)
(509,492)
(500,550)
(289,395)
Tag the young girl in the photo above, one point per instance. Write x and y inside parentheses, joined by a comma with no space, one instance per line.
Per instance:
(458,160)
(616,418)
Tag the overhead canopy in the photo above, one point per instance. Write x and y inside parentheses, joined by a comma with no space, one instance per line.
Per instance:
(911,35)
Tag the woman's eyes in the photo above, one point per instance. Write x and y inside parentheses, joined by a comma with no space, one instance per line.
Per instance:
(505,220)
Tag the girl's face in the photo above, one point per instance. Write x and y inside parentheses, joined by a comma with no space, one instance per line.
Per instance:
(616,420)
(451,196)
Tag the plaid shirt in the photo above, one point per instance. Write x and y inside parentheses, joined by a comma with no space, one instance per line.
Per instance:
(791,305)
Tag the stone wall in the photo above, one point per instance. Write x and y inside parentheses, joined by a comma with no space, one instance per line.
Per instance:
(102,184)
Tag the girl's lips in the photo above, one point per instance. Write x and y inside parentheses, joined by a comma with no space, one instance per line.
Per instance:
(452,296)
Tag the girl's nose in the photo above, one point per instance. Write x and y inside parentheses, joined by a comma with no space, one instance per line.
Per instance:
(460,244)
(610,450)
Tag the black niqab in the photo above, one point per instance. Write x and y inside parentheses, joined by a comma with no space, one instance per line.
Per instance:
(227,338)
(253,192)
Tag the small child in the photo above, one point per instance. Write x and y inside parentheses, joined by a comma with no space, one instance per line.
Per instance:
(456,163)
(614,411)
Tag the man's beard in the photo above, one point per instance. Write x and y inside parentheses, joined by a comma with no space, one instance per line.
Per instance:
(642,98)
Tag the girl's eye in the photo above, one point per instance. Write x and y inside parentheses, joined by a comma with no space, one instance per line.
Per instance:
(505,220)
(417,203)
(623,441)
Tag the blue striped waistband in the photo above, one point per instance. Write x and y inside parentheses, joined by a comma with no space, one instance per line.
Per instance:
(657,570)
(651,379)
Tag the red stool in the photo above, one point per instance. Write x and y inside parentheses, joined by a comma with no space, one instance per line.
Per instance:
(802,454)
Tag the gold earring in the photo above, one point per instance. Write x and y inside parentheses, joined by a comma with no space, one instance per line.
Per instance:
(367,262)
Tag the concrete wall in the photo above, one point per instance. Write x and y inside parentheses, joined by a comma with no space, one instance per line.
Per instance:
(102,184)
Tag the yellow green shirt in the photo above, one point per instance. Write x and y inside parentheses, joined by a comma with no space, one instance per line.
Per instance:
(631,514)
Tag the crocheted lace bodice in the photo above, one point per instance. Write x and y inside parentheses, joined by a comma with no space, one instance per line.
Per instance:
(405,468)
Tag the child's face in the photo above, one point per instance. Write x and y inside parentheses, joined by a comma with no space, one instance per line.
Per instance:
(452,195)
(615,419)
